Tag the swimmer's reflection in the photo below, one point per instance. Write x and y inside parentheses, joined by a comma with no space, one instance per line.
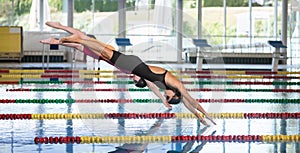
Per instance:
(189,145)
(140,147)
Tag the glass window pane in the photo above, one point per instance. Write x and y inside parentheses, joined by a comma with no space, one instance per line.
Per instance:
(6,12)
(97,17)
(213,21)
(27,13)
(150,27)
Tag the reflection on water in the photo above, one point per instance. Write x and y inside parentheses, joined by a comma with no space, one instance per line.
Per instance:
(18,135)
(139,147)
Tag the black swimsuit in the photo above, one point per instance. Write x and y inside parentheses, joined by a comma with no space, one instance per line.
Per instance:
(134,65)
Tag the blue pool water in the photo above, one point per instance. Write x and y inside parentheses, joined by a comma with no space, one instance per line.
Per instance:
(18,135)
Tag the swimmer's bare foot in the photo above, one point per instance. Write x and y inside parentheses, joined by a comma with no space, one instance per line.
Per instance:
(56,25)
(51,41)
(70,30)
(73,38)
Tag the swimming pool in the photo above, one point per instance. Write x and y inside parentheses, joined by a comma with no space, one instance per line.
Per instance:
(120,134)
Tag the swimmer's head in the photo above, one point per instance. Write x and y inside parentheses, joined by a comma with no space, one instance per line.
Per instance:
(173,100)
(173,96)
(141,83)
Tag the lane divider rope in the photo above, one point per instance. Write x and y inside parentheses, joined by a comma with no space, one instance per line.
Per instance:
(174,71)
(84,76)
(166,139)
(284,115)
(131,82)
(146,90)
(70,101)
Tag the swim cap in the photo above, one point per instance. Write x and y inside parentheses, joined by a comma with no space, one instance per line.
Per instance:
(174,100)
(141,83)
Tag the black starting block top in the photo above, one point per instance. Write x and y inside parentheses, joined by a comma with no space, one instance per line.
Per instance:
(54,47)
(201,43)
(276,44)
(123,42)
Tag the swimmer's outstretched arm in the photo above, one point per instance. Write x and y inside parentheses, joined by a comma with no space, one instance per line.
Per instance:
(174,82)
(193,110)
(197,106)
(156,91)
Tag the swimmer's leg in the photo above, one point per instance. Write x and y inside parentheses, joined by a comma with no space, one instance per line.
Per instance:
(98,47)
(71,30)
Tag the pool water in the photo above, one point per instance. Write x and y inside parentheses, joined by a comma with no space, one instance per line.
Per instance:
(18,135)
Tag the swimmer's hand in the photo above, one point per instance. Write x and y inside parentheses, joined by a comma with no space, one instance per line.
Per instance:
(167,104)
(203,121)
(208,117)
(213,122)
